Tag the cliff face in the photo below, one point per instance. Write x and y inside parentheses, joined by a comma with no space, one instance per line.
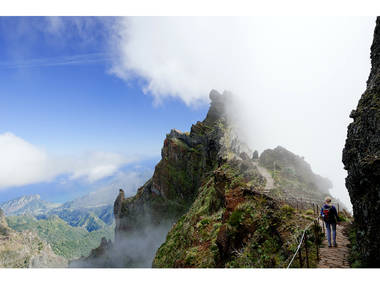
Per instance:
(361,157)
(186,159)
(25,249)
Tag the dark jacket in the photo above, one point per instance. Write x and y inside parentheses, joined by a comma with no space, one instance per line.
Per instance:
(333,214)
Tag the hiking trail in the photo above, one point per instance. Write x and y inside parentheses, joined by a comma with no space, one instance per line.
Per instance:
(268,177)
(335,257)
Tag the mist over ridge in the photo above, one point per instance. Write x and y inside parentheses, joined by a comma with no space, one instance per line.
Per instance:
(294,80)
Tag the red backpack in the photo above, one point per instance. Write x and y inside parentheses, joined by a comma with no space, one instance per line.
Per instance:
(327,215)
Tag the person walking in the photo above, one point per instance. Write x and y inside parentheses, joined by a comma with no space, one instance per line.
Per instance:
(330,217)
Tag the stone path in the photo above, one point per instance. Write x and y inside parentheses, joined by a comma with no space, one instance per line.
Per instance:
(335,257)
(268,177)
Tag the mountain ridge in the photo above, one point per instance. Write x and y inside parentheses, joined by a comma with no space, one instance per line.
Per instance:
(204,186)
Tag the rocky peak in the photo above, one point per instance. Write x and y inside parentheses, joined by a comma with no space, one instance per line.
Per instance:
(217,106)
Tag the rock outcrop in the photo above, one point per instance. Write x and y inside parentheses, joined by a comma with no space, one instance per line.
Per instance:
(361,158)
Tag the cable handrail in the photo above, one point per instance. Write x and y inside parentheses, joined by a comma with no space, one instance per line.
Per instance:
(300,244)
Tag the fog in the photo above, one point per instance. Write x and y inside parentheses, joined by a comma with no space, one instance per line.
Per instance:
(135,248)
(295,80)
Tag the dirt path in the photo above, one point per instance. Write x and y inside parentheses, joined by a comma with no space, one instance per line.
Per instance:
(267,176)
(335,257)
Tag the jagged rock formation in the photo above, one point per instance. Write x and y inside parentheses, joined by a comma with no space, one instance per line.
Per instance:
(25,249)
(361,157)
(255,155)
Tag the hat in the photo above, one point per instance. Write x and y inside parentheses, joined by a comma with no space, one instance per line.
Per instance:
(328,200)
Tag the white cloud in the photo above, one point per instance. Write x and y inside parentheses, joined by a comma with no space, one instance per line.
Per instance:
(295,79)
(22,163)
(97,165)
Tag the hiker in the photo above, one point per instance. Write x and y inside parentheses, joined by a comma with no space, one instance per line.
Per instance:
(330,217)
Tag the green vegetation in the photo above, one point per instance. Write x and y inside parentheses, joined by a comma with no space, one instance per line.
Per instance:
(65,240)
(231,225)
(355,258)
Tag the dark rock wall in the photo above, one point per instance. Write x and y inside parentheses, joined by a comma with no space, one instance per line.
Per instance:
(361,157)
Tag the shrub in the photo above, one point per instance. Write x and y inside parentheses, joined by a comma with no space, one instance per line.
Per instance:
(288,210)
(309,212)
(236,218)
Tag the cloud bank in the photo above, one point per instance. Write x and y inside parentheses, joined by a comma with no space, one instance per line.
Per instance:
(295,79)
(23,163)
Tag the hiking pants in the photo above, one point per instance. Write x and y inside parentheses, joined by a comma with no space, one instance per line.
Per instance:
(328,232)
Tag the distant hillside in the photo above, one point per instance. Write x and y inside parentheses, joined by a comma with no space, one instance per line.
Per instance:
(65,240)
(293,176)
(25,249)
(76,214)
(91,219)
(31,204)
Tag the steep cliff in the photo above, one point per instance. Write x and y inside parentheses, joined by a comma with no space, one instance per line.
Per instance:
(361,157)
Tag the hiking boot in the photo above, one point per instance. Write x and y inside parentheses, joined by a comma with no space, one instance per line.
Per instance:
(335,245)
(330,246)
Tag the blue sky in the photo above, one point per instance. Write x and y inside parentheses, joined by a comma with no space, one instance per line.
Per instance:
(69,107)
(84,99)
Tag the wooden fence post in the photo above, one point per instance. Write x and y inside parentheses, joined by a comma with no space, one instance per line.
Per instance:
(307,252)
(300,255)
(316,238)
